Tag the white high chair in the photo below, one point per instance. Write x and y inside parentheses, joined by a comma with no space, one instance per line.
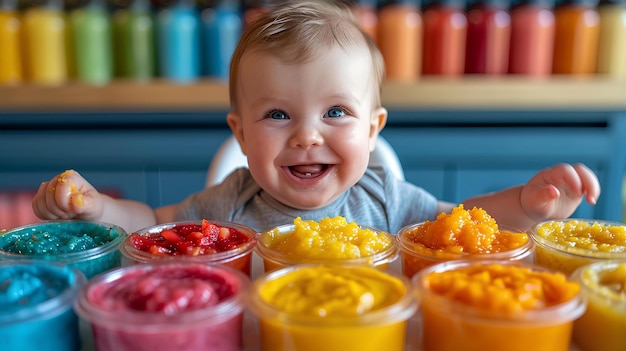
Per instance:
(229,157)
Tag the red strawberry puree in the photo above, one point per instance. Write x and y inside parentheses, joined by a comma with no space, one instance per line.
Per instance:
(173,306)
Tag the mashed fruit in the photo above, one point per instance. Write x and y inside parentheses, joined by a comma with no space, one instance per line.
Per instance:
(330,238)
(332,308)
(459,234)
(328,292)
(570,244)
(496,306)
(504,289)
(603,325)
(465,231)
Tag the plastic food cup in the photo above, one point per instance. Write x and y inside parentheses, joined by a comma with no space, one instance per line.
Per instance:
(450,325)
(238,258)
(167,305)
(561,254)
(281,329)
(603,325)
(273,260)
(415,257)
(36,299)
(90,247)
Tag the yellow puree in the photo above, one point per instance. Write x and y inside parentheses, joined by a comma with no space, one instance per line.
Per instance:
(332,291)
(603,325)
(584,235)
(330,238)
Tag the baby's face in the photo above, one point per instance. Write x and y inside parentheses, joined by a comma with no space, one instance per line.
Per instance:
(307,128)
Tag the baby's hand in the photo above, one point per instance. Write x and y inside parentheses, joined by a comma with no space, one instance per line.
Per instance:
(556,192)
(66,196)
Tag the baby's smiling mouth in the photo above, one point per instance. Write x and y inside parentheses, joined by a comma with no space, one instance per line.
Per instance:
(308,171)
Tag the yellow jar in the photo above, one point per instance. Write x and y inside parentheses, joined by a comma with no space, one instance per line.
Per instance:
(496,305)
(328,241)
(603,325)
(566,245)
(332,308)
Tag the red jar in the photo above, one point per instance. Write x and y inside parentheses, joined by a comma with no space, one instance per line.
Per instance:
(532,38)
(488,37)
(445,32)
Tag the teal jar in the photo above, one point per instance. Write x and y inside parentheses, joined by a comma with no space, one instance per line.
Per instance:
(36,300)
(90,247)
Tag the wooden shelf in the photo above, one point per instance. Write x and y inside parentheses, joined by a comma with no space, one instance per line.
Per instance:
(468,92)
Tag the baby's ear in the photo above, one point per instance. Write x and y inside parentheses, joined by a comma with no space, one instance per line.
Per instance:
(236,126)
(377,123)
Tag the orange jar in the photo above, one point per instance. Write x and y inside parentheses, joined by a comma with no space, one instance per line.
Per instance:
(400,39)
(496,305)
(576,37)
(461,234)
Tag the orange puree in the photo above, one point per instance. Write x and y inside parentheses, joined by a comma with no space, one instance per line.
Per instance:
(463,231)
(503,289)
(477,306)
(461,234)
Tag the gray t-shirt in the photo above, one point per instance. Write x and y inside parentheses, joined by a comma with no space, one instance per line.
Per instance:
(378,200)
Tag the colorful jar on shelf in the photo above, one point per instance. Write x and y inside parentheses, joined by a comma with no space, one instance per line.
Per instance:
(45,36)
(488,37)
(445,35)
(576,37)
(222,25)
(400,39)
(612,40)
(10,43)
(178,35)
(532,38)
(367,15)
(134,41)
(92,31)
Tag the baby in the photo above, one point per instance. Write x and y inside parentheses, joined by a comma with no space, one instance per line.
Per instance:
(305,84)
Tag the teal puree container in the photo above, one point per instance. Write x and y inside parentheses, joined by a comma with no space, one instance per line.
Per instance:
(90,247)
(36,300)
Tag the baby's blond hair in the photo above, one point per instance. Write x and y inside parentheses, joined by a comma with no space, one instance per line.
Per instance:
(297,31)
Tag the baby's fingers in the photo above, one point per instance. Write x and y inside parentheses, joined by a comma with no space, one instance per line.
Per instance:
(45,205)
(589,182)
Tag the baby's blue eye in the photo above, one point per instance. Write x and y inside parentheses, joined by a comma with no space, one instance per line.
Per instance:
(277,114)
(335,112)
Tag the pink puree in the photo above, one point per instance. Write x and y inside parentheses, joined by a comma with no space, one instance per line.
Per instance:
(167,307)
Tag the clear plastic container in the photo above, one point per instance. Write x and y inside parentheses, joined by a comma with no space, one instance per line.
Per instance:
(603,325)
(415,257)
(331,320)
(238,258)
(66,242)
(169,305)
(36,299)
(273,260)
(451,325)
(562,254)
